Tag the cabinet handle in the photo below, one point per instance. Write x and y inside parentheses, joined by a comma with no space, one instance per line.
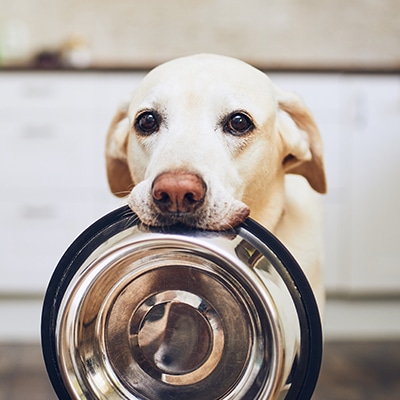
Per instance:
(360,112)
(32,90)
(39,131)
(37,212)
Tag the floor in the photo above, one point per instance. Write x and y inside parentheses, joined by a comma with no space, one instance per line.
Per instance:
(350,371)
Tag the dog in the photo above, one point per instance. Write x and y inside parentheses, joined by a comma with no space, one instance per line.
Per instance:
(207,141)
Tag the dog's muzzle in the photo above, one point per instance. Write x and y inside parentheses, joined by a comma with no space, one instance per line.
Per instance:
(182,198)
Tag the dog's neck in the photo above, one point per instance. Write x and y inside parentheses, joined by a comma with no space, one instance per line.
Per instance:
(270,211)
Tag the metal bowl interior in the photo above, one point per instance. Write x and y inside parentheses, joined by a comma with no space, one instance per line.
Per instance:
(133,313)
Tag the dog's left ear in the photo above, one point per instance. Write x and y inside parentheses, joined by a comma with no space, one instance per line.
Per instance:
(303,153)
(118,174)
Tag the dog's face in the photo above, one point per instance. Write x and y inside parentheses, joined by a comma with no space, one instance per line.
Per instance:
(207,139)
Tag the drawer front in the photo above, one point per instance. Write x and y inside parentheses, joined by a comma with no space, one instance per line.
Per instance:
(45,153)
(25,91)
(36,228)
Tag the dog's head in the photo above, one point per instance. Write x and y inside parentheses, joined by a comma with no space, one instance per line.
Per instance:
(205,139)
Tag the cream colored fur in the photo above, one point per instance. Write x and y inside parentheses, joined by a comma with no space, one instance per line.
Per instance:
(274,170)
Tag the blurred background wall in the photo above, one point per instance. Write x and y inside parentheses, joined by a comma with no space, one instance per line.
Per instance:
(270,33)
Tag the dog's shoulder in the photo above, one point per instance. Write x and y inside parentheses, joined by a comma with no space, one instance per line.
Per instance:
(302,203)
(300,228)
(301,223)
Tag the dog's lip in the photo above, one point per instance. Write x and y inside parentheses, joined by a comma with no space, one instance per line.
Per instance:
(196,222)
(178,218)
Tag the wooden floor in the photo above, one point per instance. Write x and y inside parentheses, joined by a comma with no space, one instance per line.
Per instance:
(350,371)
(360,371)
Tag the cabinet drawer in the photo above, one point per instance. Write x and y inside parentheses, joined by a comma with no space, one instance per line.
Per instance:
(34,233)
(46,90)
(45,153)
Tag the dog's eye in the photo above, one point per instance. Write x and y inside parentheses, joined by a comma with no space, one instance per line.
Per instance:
(238,124)
(147,123)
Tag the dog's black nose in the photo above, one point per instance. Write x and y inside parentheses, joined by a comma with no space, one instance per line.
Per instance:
(178,192)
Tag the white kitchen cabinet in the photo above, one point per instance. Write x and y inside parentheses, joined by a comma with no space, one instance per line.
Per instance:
(374,134)
(53,182)
(52,172)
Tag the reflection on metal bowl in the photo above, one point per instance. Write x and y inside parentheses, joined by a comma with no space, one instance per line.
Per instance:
(136,313)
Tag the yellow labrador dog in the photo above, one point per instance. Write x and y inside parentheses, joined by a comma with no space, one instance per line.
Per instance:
(208,140)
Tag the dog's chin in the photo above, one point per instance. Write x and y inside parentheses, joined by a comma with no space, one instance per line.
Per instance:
(181,220)
(175,222)
(188,221)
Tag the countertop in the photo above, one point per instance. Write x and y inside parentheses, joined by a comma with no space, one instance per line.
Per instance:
(124,68)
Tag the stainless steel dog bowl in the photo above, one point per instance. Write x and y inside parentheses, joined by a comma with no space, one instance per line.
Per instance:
(135,313)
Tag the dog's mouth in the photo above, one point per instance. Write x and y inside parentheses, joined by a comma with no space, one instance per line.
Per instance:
(177,219)
(217,218)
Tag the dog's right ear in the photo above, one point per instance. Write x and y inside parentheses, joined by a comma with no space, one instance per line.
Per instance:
(119,177)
